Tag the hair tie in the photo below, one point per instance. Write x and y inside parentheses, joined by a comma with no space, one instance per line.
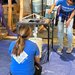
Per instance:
(24,36)
(19,35)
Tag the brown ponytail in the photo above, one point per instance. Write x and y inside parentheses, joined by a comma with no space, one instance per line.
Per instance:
(24,33)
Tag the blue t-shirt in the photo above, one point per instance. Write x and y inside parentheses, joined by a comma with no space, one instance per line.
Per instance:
(64,10)
(27,66)
(65,6)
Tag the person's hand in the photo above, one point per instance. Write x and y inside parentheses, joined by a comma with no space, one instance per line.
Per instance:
(49,11)
(68,22)
(47,20)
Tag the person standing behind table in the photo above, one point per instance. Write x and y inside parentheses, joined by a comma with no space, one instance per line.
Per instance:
(66,12)
(25,48)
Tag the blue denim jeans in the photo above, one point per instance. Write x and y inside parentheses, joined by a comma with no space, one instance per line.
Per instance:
(61,33)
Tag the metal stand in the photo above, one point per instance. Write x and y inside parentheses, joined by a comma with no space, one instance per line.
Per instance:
(28,21)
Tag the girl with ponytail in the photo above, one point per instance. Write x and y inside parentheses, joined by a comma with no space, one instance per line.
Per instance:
(23,53)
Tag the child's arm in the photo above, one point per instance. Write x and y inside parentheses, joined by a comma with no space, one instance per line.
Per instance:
(51,9)
(72,15)
(37,58)
(59,2)
(70,18)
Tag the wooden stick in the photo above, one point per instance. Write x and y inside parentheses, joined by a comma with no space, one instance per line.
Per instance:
(10,14)
(21,9)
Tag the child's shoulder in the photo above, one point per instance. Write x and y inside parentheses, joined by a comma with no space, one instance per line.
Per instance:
(13,42)
(31,42)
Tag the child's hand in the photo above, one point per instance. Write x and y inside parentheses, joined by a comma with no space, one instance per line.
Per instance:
(67,23)
(47,20)
(49,11)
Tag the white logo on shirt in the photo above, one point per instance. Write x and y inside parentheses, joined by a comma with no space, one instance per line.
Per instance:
(21,58)
(67,8)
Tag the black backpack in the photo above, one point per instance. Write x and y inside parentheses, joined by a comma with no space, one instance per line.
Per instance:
(38,69)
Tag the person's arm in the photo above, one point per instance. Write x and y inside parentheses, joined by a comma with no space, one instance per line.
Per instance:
(72,15)
(59,2)
(51,9)
(37,57)
(70,18)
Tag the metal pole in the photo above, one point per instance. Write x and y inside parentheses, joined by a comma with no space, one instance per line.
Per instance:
(48,42)
(31,7)
(52,31)
(42,7)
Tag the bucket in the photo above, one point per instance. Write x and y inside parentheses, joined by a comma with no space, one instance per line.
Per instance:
(38,41)
(37,6)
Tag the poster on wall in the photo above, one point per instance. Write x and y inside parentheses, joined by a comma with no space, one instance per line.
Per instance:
(50,2)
